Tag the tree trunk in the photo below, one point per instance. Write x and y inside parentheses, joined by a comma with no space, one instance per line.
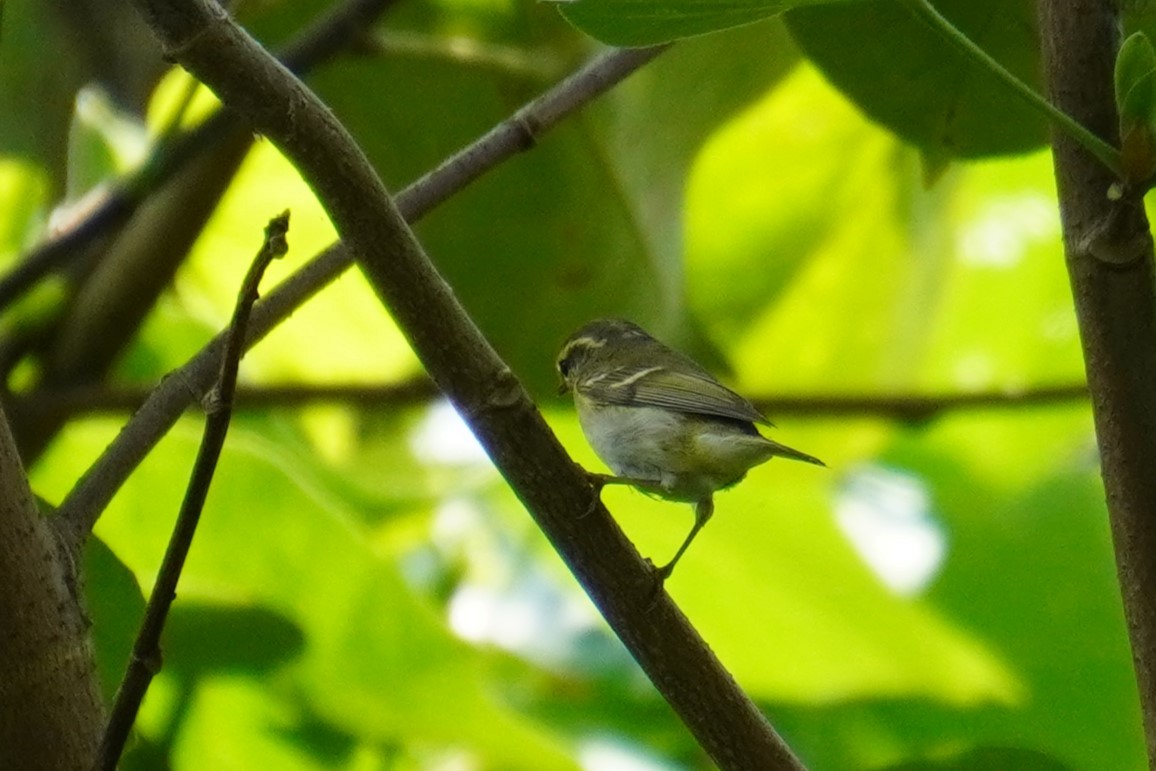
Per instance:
(51,714)
(1110,263)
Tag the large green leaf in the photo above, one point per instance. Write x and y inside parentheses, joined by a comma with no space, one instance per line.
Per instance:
(816,258)
(114,602)
(647,22)
(769,191)
(1034,570)
(905,75)
(377,663)
(681,100)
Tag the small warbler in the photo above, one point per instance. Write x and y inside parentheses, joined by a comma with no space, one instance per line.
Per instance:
(661,422)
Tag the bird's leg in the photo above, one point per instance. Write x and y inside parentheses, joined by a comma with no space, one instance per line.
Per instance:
(598,481)
(703,510)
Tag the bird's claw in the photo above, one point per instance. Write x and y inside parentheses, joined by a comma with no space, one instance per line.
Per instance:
(658,577)
(597,482)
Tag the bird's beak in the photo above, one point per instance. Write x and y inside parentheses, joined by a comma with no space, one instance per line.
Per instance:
(563,388)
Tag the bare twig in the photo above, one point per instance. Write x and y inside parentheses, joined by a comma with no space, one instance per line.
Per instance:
(911,408)
(554,490)
(145,661)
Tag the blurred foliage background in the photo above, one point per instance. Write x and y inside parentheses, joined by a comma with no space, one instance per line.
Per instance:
(785,200)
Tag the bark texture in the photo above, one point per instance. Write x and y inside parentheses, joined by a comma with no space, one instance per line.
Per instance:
(51,714)
(1108,249)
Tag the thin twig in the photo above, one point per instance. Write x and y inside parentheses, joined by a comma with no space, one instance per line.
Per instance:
(145,661)
(322,40)
(912,408)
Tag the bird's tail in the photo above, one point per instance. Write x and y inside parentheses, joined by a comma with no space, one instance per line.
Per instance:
(783,451)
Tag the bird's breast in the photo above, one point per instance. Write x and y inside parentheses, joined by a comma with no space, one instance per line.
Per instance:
(686,456)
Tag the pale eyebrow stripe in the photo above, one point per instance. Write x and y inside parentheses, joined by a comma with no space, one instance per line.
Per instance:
(584,342)
(635,377)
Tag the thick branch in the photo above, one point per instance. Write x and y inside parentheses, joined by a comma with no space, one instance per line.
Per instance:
(461,362)
(50,707)
(1110,263)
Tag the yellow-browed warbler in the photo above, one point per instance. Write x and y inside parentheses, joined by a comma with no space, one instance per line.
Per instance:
(661,422)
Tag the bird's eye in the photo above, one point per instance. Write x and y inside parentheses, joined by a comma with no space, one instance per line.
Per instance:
(564,366)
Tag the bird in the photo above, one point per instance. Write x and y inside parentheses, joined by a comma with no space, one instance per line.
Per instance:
(660,421)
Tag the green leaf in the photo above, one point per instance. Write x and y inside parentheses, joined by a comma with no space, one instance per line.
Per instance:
(1135,79)
(116,606)
(765,193)
(915,83)
(203,638)
(372,348)
(1136,103)
(826,277)
(645,22)
(236,722)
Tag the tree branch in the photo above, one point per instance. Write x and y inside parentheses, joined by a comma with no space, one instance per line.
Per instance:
(1109,257)
(50,706)
(145,661)
(484,390)
(912,408)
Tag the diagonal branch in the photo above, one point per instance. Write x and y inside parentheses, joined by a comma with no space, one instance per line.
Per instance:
(554,490)
(187,385)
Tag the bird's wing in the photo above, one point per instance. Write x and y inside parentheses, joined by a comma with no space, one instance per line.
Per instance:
(658,386)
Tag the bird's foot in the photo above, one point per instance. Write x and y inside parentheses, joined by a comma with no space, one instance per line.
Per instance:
(597,482)
(658,576)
